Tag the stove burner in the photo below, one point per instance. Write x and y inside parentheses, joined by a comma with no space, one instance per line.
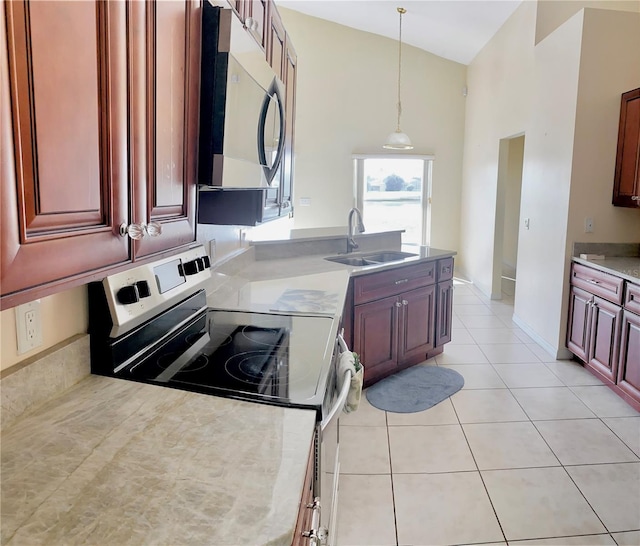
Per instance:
(258,336)
(248,367)
(200,362)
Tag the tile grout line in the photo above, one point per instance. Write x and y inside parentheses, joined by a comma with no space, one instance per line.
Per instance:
(393,491)
(495,513)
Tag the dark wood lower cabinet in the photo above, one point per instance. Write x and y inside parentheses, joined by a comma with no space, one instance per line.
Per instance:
(444,313)
(375,337)
(604,339)
(415,328)
(629,363)
(578,330)
(604,334)
(399,317)
(305,513)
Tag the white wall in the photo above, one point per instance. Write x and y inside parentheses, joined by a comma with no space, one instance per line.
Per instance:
(513,192)
(546,183)
(500,81)
(552,13)
(346,103)
(564,95)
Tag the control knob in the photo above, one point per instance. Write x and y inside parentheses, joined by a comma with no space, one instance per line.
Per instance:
(128,294)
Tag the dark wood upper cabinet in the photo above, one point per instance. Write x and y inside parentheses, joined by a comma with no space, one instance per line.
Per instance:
(101,104)
(165,75)
(64,140)
(626,186)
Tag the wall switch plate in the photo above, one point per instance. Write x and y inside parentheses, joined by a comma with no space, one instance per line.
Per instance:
(526,223)
(212,249)
(588,225)
(28,326)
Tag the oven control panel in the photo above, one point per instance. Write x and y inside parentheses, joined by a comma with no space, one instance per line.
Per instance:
(142,292)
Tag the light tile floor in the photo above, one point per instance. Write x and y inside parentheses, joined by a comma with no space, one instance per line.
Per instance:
(530,451)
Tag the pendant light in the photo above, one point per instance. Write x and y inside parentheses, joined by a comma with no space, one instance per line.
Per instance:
(399,140)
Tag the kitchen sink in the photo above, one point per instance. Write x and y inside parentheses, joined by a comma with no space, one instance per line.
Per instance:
(371,258)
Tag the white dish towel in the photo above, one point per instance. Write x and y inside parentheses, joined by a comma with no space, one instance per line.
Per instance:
(346,363)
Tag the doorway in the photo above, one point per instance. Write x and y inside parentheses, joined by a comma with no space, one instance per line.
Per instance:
(507,220)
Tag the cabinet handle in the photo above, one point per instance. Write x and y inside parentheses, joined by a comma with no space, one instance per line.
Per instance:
(635,198)
(134,231)
(398,304)
(593,281)
(446,269)
(401,281)
(405,302)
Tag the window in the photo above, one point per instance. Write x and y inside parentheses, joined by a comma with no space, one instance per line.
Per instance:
(393,192)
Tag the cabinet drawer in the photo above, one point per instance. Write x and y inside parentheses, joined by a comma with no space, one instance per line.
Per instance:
(445,269)
(632,298)
(596,282)
(388,283)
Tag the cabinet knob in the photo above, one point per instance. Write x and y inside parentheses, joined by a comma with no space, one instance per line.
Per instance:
(405,302)
(134,231)
(154,229)
(398,304)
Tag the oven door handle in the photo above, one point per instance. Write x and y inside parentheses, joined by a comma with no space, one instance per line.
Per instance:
(339,403)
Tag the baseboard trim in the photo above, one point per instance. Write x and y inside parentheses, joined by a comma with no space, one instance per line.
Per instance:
(559,353)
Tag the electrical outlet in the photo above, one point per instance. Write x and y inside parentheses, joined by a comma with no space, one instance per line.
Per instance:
(28,326)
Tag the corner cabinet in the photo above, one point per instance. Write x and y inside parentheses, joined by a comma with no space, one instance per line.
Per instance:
(400,317)
(604,329)
(626,185)
(100,100)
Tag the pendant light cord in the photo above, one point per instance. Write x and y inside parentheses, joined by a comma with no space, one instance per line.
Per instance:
(400,11)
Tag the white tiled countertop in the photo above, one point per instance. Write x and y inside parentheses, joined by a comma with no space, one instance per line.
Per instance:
(113,462)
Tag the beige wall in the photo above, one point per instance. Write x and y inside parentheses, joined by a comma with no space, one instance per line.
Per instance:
(564,94)
(346,99)
(546,183)
(512,202)
(500,81)
(552,13)
(63,316)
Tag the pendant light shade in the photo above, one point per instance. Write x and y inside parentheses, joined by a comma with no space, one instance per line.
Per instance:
(399,140)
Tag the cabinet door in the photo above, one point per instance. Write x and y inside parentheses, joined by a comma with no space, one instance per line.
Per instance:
(375,333)
(626,186)
(444,313)
(275,48)
(165,75)
(579,318)
(605,337)
(629,363)
(64,140)
(416,331)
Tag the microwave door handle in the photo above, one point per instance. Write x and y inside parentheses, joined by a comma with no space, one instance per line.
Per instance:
(339,403)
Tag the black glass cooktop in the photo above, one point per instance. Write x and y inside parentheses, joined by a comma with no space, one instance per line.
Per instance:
(282,359)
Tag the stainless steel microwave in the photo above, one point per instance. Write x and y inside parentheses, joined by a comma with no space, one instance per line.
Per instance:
(241,137)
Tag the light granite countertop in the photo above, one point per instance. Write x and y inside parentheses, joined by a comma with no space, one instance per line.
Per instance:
(626,267)
(258,284)
(113,462)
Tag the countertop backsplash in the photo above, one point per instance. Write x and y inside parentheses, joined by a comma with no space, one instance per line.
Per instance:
(35,381)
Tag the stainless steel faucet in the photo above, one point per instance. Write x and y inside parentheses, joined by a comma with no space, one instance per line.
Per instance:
(351,244)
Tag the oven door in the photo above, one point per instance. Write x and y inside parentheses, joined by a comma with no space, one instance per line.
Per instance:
(328,459)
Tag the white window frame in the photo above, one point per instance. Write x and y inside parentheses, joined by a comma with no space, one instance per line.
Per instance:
(358,191)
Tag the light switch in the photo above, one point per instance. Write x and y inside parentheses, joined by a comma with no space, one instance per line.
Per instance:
(588,225)
(526,223)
